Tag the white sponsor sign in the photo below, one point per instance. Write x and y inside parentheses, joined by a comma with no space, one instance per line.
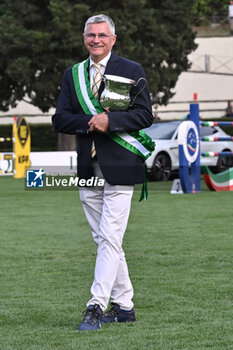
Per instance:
(55,162)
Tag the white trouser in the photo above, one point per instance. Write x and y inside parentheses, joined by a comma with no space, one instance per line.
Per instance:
(107,211)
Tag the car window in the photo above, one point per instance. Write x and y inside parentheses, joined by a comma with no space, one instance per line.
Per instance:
(161,131)
(207,131)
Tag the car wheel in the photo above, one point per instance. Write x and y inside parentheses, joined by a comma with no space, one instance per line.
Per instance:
(161,167)
(223,164)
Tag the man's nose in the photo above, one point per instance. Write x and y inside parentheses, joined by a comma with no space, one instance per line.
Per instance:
(96,39)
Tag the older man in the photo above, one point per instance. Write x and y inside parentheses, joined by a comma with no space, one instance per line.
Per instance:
(107,149)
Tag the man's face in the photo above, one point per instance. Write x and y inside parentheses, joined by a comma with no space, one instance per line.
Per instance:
(99,40)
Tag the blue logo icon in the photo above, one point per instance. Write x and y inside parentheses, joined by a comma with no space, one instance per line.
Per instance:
(191,141)
(35,178)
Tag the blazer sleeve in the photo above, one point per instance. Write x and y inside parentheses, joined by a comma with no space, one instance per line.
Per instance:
(69,117)
(139,115)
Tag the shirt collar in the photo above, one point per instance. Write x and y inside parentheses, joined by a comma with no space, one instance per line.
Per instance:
(103,62)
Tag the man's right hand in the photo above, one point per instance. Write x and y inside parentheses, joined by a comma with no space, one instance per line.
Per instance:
(99,122)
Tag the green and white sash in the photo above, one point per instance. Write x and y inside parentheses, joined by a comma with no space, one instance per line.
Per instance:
(137,142)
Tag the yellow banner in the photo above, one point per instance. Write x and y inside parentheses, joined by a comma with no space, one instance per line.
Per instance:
(22,147)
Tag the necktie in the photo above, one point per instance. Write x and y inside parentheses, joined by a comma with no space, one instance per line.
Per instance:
(95,90)
(96,80)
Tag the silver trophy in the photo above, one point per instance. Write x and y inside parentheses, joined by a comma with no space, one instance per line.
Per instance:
(116,94)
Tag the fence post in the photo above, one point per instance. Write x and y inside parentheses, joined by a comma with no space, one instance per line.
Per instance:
(207,63)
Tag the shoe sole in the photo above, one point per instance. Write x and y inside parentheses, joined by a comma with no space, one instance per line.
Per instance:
(118,320)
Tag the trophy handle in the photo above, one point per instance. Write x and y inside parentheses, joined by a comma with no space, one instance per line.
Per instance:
(136,84)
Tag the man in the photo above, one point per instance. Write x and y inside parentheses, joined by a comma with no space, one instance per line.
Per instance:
(102,155)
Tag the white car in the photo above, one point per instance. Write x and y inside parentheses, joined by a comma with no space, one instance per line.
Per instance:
(165,158)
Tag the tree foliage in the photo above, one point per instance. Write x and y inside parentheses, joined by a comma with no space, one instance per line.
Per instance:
(39,39)
(210,9)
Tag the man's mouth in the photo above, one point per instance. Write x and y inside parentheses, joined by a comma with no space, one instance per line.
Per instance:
(96,46)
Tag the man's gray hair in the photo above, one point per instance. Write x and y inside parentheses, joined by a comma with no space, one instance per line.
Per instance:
(100,19)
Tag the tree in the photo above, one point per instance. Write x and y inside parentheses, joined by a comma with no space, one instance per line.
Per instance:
(210,8)
(39,39)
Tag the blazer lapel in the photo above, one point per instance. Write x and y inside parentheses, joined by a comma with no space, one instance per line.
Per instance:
(111,68)
(112,64)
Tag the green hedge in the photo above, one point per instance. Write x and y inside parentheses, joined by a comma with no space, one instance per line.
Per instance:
(43,138)
(227,129)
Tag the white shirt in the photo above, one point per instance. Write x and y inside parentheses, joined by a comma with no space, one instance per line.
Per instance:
(103,63)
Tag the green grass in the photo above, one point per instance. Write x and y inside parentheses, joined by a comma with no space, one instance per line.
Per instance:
(179,252)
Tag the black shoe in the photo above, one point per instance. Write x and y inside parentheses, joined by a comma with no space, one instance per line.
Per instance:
(91,320)
(116,314)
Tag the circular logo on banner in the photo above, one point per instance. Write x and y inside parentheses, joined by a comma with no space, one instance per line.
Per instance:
(23,130)
(188,137)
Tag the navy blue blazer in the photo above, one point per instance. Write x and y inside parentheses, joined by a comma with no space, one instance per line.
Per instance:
(119,166)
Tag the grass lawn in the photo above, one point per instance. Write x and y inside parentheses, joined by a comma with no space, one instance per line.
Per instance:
(179,251)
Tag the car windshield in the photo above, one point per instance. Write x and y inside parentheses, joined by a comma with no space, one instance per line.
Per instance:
(162,131)
(207,131)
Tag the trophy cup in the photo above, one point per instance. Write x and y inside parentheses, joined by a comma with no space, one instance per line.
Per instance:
(116,94)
